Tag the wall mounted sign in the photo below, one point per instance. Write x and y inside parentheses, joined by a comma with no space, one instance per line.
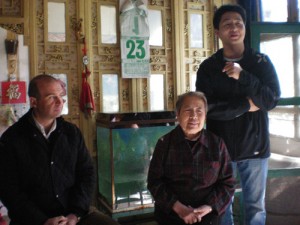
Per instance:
(13,92)
(135,51)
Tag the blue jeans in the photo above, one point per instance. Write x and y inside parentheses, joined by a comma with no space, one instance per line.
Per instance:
(253,177)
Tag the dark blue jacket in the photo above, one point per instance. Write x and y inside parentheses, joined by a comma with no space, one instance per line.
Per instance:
(43,178)
(246,134)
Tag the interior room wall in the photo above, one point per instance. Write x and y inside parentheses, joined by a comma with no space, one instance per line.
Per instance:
(23,75)
(3,61)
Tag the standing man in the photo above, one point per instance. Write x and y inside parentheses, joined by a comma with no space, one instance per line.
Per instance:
(190,175)
(241,86)
(47,174)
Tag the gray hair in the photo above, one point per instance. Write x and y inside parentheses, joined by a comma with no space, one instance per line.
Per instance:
(197,94)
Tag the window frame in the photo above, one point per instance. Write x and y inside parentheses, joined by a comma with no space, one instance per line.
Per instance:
(258,28)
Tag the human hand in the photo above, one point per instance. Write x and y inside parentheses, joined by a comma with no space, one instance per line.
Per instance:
(59,220)
(202,211)
(72,219)
(232,69)
(186,213)
(253,107)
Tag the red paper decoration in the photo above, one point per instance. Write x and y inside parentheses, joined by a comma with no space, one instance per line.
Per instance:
(13,92)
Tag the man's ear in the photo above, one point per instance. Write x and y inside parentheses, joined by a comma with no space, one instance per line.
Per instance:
(217,32)
(32,101)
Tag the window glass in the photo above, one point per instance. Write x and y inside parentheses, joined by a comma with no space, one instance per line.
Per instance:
(56,22)
(196,28)
(284,138)
(193,82)
(283,120)
(280,41)
(155,26)
(63,78)
(156,92)
(110,89)
(282,60)
(108,24)
(282,124)
(274,10)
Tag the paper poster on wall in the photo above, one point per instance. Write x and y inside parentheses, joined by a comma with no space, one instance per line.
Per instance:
(135,50)
(13,92)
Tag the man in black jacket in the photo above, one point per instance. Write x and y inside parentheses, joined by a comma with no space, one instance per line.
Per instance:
(241,86)
(47,174)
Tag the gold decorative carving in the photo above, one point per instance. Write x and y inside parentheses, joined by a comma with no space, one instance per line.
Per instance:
(155,59)
(11,8)
(197,61)
(197,53)
(156,67)
(125,95)
(155,51)
(153,2)
(96,94)
(145,93)
(57,48)
(200,1)
(55,58)
(209,30)
(77,27)
(75,91)
(40,19)
(12,64)
(196,6)
(186,29)
(16,28)
(110,58)
(170,92)
(94,23)
(108,50)
(169,25)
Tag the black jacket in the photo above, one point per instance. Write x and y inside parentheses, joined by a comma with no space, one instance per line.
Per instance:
(246,134)
(43,178)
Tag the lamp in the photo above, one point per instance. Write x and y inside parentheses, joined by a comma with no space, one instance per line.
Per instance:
(11,46)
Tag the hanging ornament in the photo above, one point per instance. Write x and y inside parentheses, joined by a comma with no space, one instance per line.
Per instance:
(87,104)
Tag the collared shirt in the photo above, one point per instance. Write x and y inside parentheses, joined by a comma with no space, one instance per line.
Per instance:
(42,129)
(194,176)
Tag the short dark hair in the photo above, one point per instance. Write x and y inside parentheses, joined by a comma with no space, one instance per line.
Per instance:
(197,94)
(33,90)
(228,8)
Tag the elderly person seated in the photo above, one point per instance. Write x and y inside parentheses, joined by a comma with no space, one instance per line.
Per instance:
(190,175)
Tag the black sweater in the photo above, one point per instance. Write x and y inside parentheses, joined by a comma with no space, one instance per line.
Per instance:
(246,134)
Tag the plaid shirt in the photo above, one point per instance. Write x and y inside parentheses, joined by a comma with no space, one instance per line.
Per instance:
(195,176)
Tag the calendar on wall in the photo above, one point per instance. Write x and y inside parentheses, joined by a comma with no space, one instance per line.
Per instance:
(135,50)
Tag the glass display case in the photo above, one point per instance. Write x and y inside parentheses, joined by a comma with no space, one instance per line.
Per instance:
(125,143)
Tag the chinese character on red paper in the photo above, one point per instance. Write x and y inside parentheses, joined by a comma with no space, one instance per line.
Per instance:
(13,92)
